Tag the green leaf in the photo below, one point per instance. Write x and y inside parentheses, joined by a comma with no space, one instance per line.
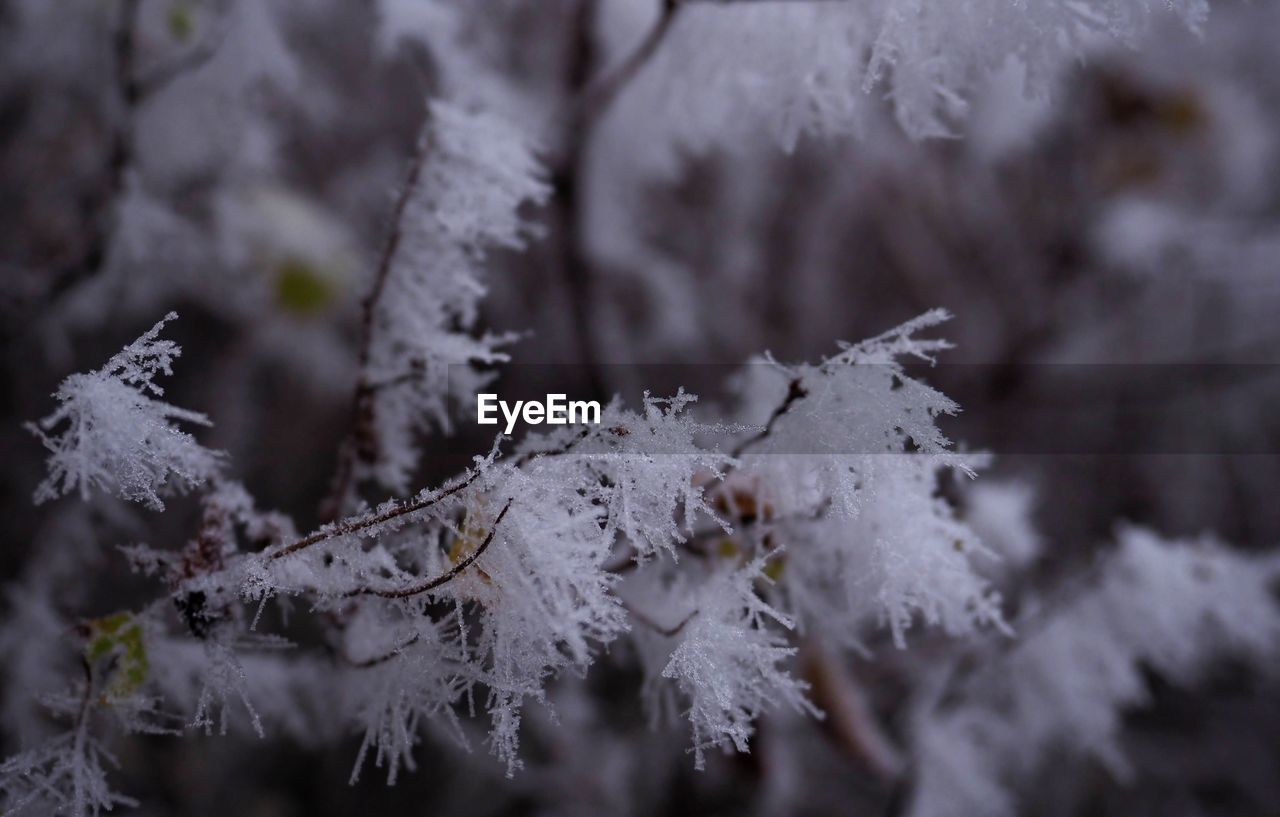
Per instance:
(119,635)
(181,22)
(303,288)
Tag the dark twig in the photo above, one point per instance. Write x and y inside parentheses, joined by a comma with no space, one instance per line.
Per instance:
(360,444)
(387,656)
(564,448)
(131,91)
(655,626)
(354,526)
(444,578)
(567,169)
(160,78)
(601,93)
(119,156)
(589,101)
(795,391)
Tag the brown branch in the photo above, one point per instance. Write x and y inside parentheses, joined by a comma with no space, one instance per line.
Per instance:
(360,443)
(655,626)
(588,103)
(385,657)
(565,448)
(852,724)
(160,78)
(444,578)
(355,526)
(131,91)
(600,95)
(795,391)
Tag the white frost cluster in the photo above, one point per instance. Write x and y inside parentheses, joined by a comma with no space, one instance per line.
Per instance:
(1171,606)
(111,433)
(477,171)
(791,68)
(728,662)
(63,776)
(849,474)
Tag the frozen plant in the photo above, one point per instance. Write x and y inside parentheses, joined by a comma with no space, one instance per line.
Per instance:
(113,433)
(741,573)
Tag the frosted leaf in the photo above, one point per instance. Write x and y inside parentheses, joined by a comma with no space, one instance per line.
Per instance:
(900,557)
(111,433)
(544,595)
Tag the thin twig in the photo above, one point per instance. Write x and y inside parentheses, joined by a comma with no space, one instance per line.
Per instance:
(565,448)
(851,720)
(600,95)
(82,733)
(444,578)
(795,391)
(387,656)
(360,442)
(655,626)
(131,92)
(354,526)
(160,78)
(120,156)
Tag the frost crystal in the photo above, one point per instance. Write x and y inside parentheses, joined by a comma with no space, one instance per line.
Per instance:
(1169,606)
(847,475)
(728,662)
(476,172)
(64,776)
(110,432)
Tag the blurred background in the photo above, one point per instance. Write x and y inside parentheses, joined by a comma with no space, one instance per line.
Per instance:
(1109,254)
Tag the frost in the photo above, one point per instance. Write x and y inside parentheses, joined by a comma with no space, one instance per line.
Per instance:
(846,476)
(829,514)
(1000,514)
(416,673)
(110,432)
(64,776)
(787,69)
(728,663)
(653,467)
(544,594)
(476,172)
(1170,606)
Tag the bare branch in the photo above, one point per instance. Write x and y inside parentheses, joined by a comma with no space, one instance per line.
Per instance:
(444,578)
(194,58)
(131,91)
(530,456)
(795,391)
(354,526)
(600,94)
(360,442)
(655,626)
(387,656)
(853,725)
